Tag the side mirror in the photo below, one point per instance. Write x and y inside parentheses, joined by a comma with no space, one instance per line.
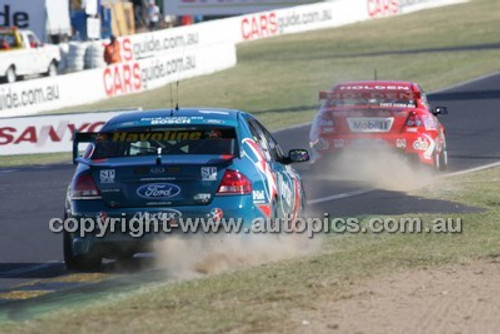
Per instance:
(297,155)
(439,111)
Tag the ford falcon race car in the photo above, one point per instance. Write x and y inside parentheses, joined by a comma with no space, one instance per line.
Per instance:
(176,164)
(371,114)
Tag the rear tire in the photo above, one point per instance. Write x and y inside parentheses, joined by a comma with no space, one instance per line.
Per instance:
(10,75)
(441,160)
(52,70)
(85,262)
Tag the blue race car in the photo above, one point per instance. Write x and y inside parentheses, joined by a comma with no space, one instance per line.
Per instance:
(176,165)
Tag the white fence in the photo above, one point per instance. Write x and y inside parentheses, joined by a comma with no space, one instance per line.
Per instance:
(155,59)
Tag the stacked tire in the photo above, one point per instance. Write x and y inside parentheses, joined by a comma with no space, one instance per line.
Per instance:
(94,55)
(63,63)
(76,57)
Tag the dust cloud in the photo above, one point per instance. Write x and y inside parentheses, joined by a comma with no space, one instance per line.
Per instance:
(185,257)
(382,169)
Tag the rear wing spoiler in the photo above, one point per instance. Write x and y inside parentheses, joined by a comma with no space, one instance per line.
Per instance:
(82,137)
(390,94)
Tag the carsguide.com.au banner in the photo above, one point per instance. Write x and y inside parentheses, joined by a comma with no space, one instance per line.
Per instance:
(131,76)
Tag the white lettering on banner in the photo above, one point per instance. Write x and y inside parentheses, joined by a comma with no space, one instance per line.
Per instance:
(11,99)
(25,135)
(31,96)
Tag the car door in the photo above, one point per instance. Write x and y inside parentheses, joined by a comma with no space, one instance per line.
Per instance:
(35,54)
(287,180)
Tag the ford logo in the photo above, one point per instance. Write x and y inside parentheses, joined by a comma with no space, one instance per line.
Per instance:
(158,191)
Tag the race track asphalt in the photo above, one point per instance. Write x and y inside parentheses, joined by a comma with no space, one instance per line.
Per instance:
(30,196)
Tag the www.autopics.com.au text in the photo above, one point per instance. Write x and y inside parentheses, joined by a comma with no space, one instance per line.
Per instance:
(145,224)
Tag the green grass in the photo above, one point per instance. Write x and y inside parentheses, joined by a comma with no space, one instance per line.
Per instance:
(266,297)
(279,78)
(34,159)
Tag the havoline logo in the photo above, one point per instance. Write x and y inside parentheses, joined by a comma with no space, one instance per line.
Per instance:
(158,191)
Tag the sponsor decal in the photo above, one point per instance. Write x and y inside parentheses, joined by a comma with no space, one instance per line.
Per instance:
(107,175)
(375,87)
(401,143)
(114,190)
(325,122)
(158,191)
(203,198)
(216,214)
(178,120)
(429,123)
(421,144)
(426,144)
(209,173)
(157,170)
(254,153)
(285,192)
(214,121)
(398,105)
(371,124)
(156,136)
(165,215)
(259,196)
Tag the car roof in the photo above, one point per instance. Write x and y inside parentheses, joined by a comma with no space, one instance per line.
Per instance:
(184,116)
(373,84)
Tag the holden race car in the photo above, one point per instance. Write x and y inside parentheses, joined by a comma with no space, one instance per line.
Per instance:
(179,164)
(378,114)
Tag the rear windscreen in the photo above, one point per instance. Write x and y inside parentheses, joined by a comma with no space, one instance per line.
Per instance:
(166,141)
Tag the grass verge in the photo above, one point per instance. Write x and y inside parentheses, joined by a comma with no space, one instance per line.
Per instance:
(266,297)
(279,78)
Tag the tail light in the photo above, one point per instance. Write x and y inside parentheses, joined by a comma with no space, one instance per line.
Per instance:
(84,187)
(234,182)
(414,120)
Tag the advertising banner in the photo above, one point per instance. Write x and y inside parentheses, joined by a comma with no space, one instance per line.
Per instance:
(47,133)
(24,15)
(226,7)
(131,76)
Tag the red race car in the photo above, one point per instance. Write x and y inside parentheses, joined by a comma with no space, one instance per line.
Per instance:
(389,114)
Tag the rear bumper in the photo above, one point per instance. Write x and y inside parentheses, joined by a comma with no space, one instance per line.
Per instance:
(422,145)
(232,213)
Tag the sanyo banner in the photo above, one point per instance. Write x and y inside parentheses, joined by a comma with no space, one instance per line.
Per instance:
(47,134)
